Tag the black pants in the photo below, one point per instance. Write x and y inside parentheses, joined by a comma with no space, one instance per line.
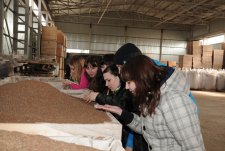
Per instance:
(139,143)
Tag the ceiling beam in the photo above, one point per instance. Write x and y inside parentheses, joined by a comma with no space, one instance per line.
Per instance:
(181,12)
(104,11)
(152,20)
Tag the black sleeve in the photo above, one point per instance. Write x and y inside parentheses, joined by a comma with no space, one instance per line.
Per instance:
(126,117)
(104,99)
(121,99)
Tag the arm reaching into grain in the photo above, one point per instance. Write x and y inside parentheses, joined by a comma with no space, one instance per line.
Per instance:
(110,108)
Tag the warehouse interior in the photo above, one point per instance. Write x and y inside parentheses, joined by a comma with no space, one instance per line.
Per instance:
(39,37)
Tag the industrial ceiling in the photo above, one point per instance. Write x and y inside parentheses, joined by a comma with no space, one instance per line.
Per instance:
(154,13)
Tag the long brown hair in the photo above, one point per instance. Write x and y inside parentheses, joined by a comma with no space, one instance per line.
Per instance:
(147,78)
(75,62)
(97,83)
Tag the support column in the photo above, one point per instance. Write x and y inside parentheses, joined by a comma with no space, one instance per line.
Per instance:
(90,38)
(15,26)
(31,30)
(125,34)
(27,29)
(1,26)
(38,53)
(160,47)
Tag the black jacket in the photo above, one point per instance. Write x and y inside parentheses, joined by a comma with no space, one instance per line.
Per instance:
(123,98)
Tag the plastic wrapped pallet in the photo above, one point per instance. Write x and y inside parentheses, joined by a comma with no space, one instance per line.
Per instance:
(220,80)
(210,80)
(194,76)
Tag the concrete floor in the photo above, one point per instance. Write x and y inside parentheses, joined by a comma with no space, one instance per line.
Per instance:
(212,118)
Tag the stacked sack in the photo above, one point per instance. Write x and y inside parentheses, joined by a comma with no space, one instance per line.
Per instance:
(205,79)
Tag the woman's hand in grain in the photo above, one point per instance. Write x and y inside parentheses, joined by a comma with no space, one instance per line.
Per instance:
(109,108)
(90,96)
(66,84)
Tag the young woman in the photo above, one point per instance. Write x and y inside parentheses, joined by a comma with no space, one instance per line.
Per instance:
(115,95)
(78,79)
(94,74)
(168,119)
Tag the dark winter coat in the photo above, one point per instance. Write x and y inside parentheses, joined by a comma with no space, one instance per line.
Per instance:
(123,98)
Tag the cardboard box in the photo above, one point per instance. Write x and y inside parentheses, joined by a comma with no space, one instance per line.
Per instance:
(65,42)
(194,47)
(164,62)
(60,50)
(218,52)
(185,61)
(60,37)
(197,64)
(49,48)
(217,66)
(197,61)
(171,63)
(218,60)
(49,33)
(223,46)
(207,62)
(206,59)
(207,50)
(197,58)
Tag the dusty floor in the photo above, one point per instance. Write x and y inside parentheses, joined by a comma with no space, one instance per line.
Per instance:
(212,118)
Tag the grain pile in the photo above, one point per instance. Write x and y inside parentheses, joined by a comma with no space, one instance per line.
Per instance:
(32,101)
(15,141)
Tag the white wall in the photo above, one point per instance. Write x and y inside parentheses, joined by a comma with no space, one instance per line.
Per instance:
(103,39)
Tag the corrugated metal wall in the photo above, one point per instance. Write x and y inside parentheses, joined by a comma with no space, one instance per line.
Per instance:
(215,27)
(174,44)
(107,39)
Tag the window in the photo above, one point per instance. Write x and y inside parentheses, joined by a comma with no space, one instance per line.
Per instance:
(213,40)
(76,51)
(35,10)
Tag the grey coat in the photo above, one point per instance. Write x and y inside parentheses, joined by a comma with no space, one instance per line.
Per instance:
(175,125)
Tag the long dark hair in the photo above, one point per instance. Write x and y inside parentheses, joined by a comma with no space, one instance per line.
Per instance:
(147,78)
(97,83)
